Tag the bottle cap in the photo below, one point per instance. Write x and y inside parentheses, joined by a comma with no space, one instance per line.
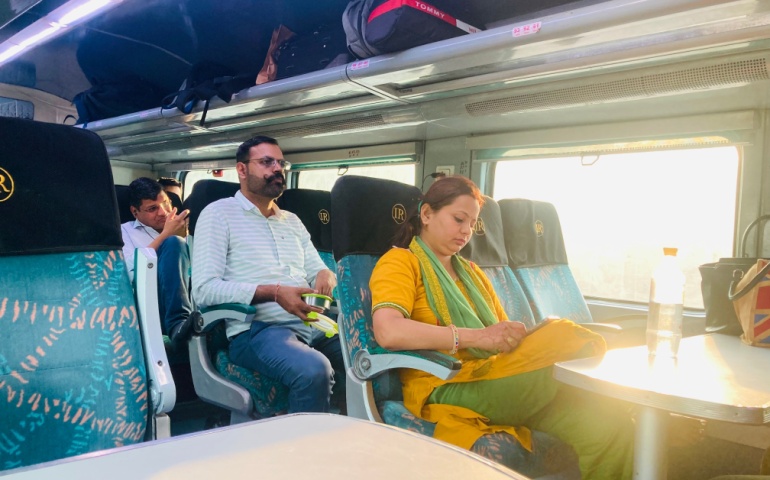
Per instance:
(670,251)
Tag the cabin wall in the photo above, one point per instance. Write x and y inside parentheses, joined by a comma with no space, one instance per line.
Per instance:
(125,175)
(445,152)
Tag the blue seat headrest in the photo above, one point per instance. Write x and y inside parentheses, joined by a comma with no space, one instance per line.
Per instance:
(56,190)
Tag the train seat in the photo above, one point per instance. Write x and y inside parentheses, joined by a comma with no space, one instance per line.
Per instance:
(72,366)
(313,207)
(245,393)
(487,250)
(538,258)
(368,212)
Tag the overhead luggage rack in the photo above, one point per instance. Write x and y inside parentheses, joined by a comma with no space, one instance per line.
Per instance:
(569,45)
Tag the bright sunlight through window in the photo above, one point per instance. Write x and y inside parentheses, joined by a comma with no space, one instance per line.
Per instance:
(618,213)
(324,178)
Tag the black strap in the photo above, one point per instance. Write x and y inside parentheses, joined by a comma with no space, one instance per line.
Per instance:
(738,275)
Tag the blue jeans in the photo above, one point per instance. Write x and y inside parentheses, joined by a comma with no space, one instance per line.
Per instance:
(306,368)
(173,290)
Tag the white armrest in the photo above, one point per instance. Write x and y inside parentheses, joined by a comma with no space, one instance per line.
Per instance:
(161,384)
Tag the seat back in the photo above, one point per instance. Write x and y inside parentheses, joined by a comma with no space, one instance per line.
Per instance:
(205,192)
(123,195)
(487,250)
(313,207)
(367,215)
(71,359)
(538,258)
(245,393)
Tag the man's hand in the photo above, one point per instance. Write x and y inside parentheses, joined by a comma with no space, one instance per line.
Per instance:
(175,224)
(325,282)
(290,298)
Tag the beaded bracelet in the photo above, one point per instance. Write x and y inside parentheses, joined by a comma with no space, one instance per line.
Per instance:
(276,292)
(456,339)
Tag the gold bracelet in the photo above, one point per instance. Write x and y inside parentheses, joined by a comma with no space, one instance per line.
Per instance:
(455,338)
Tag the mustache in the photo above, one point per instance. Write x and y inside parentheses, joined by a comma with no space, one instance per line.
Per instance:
(276,176)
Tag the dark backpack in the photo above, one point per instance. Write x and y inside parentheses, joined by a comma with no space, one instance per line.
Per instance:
(375,27)
(206,81)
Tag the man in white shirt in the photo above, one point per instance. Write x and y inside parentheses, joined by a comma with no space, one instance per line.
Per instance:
(247,250)
(154,226)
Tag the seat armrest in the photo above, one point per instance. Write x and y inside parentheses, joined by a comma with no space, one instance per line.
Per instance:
(161,384)
(210,316)
(367,365)
(209,385)
(212,387)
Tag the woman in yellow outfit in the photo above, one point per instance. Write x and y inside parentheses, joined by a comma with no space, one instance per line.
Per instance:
(425,296)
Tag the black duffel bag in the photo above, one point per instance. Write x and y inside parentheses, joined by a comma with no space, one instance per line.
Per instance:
(716,278)
(322,47)
(374,27)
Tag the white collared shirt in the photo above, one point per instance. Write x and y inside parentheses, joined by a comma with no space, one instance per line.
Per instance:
(135,235)
(236,249)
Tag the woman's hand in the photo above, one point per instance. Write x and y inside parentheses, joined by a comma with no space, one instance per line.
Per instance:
(501,337)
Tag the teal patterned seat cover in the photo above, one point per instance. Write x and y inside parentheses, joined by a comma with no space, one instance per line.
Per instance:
(72,371)
(552,290)
(270,396)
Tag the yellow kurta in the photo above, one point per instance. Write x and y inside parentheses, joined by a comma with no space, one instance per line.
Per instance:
(397,282)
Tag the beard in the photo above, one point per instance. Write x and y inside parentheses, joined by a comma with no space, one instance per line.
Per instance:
(267,187)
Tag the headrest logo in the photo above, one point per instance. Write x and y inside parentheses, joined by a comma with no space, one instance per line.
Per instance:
(398,212)
(6,185)
(480,228)
(539,228)
(324,216)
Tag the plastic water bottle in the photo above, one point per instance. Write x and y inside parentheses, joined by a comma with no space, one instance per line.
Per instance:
(664,320)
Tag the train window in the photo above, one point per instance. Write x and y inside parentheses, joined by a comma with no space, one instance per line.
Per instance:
(618,211)
(11,107)
(324,178)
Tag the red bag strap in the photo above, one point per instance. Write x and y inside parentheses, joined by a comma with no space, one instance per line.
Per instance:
(423,7)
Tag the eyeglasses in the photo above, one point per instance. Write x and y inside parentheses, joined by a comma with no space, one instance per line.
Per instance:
(166,206)
(269,162)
